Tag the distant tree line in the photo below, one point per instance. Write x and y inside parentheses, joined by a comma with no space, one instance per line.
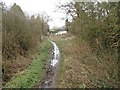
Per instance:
(20,33)
(98,23)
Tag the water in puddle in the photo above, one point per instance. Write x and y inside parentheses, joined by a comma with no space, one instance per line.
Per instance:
(54,61)
(50,78)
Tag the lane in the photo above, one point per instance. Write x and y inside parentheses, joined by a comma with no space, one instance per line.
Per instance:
(51,74)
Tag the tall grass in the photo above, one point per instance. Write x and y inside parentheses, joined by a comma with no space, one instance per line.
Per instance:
(29,77)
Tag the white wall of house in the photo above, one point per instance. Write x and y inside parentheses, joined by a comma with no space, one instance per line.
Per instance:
(61,32)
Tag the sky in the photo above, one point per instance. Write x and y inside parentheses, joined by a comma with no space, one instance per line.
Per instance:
(35,7)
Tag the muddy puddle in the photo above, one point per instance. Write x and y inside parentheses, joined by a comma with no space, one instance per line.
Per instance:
(49,80)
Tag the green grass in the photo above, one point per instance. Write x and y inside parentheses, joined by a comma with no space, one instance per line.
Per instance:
(35,72)
(60,43)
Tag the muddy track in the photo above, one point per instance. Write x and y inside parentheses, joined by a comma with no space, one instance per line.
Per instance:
(50,78)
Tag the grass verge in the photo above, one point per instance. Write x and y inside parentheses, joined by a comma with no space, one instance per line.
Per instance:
(80,67)
(29,77)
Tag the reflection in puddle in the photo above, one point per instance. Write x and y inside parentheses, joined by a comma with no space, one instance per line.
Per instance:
(55,59)
(49,80)
(54,62)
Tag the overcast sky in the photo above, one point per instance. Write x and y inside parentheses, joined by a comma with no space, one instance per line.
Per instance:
(31,7)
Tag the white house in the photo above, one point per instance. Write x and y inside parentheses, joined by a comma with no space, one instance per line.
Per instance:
(61,32)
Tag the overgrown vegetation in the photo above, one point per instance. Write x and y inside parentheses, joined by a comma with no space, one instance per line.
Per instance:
(98,25)
(36,71)
(89,52)
(80,67)
(20,33)
(21,37)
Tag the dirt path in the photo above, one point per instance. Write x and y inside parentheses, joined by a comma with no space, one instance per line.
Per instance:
(49,80)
